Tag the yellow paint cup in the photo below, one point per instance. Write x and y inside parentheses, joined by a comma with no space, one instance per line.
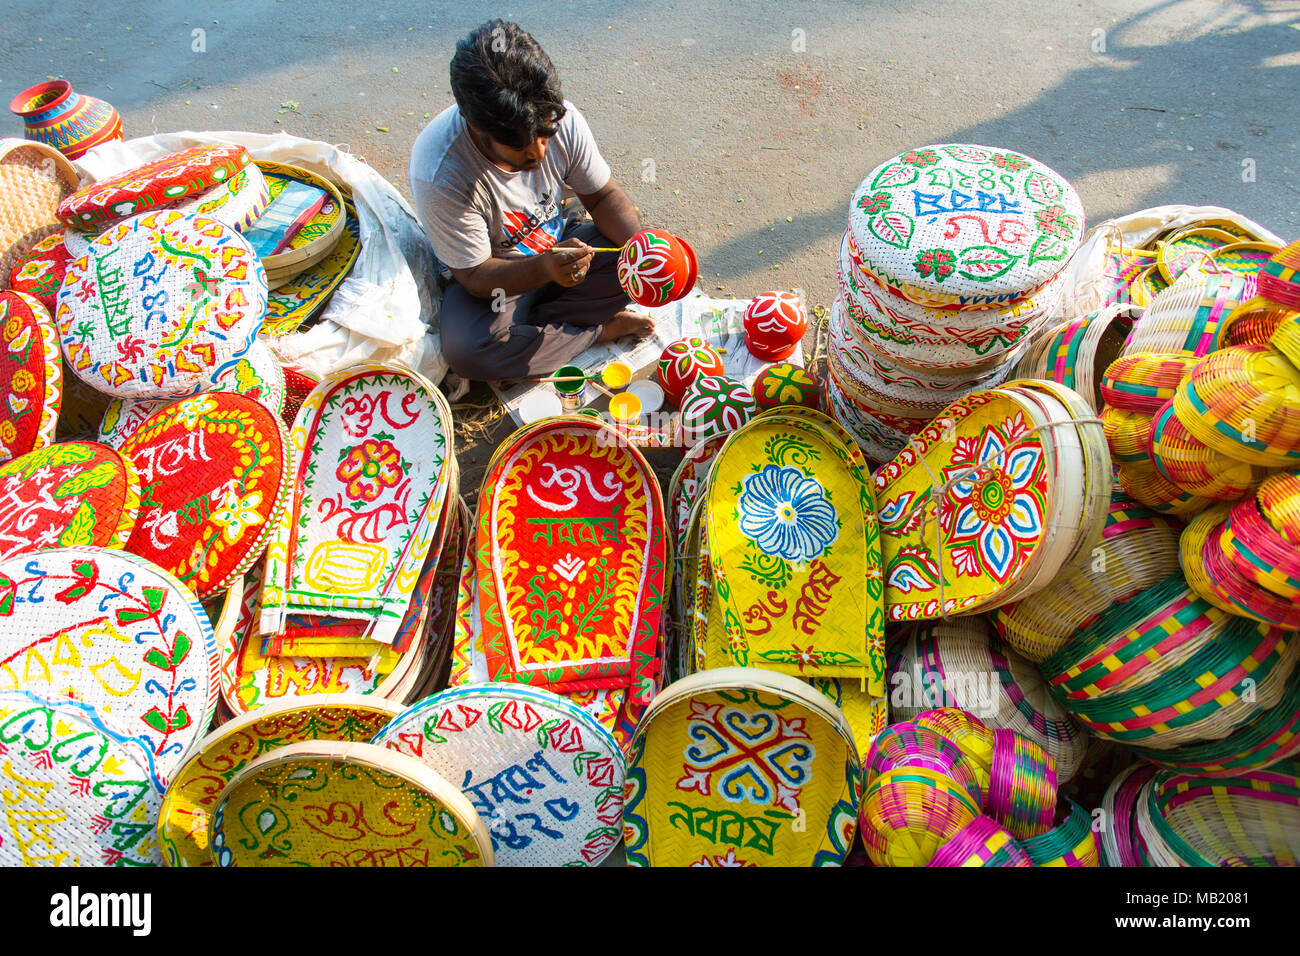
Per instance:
(625,408)
(616,374)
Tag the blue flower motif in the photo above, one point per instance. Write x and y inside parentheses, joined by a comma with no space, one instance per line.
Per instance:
(786,514)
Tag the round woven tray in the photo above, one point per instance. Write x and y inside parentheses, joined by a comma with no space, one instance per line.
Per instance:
(317,237)
(183,819)
(1189,248)
(1245,402)
(1245,257)
(401,812)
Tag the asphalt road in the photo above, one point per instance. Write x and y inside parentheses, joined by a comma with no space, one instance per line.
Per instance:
(743,126)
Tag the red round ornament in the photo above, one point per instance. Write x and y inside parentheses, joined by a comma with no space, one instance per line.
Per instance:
(774,325)
(683,361)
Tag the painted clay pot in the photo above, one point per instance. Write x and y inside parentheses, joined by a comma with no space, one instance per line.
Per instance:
(656,267)
(55,114)
(774,325)
(685,360)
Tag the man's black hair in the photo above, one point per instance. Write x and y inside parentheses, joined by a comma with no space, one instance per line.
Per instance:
(505,85)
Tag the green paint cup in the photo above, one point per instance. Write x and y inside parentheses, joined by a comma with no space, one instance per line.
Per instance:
(573,395)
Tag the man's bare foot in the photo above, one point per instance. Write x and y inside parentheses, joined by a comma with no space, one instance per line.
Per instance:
(627,323)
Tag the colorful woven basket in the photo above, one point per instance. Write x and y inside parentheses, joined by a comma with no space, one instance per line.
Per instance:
(1138,548)
(908,813)
(1245,258)
(1120,842)
(960,663)
(1022,785)
(1076,353)
(1278,499)
(1249,820)
(1245,402)
(302,298)
(909,744)
(1186,317)
(34,178)
(1195,467)
(1190,248)
(982,842)
(1279,278)
(1144,382)
(1071,842)
(1168,668)
(1148,487)
(968,732)
(1127,435)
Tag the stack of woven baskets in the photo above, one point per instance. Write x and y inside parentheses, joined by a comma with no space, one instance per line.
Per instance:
(946,269)
(943,789)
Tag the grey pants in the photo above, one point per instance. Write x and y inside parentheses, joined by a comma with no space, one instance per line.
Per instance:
(535,332)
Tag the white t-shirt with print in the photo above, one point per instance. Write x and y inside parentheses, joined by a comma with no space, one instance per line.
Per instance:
(473,210)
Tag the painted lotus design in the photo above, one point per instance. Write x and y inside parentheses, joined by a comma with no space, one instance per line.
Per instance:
(995,517)
(786,514)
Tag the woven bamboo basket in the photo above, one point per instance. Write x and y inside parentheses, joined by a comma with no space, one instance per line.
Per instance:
(1022,786)
(1245,402)
(1254,322)
(1286,337)
(1279,278)
(1187,316)
(1075,354)
(34,179)
(1273,735)
(1250,820)
(960,663)
(1190,247)
(1245,595)
(1127,435)
(982,842)
(1278,499)
(908,813)
(1245,258)
(1120,843)
(1195,467)
(1149,487)
(1168,668)
(968,732)
(1191,548)
(1143,382)
(909,744)
(1138,549)
(1260,553)
(1148,284)
(1070,842)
